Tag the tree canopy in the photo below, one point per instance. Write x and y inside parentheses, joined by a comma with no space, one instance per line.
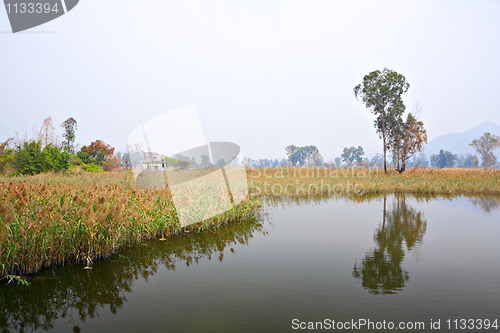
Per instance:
(97,150)
(70,126)
(405,139)
(485,146)
(353,154)
(445,159)
(381,270)
(300,156)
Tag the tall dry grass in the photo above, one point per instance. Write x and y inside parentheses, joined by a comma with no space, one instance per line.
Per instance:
(53,219)
(320,181)
(57,218)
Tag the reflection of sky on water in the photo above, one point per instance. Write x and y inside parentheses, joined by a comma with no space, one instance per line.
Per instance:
(258,276)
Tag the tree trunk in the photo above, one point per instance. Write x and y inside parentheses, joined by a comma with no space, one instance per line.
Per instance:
(383,223)
(383,139)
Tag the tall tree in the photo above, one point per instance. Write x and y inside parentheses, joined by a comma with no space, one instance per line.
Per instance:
(381,93)
(70,126)
(485,146)
(381,270)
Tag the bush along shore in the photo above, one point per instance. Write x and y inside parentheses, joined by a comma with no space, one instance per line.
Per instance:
(56,219)
(51,218)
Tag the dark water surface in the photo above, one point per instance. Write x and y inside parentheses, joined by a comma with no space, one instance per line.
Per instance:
(394,258)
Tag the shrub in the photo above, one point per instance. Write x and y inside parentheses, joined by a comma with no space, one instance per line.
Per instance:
(85,158)
(55,158)
(75,161)
(6,156)
(28,159)
(94,168)
(182,164)
(31,159)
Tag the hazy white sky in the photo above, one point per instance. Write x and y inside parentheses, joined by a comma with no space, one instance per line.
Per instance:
(262,74)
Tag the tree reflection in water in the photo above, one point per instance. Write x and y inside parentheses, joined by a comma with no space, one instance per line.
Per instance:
(75,294)
(486,203)
(380,271)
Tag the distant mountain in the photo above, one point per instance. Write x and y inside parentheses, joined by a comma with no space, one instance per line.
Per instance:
(458,143)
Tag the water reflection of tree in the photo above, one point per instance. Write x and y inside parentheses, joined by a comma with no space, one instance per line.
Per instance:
(74,294)
(486,203)
(380,271)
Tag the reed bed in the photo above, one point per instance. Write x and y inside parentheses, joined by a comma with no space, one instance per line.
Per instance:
(56,219)
(52,218)
(106,286)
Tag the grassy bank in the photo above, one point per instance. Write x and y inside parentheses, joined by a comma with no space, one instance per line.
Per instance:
(317,181)
(54,218)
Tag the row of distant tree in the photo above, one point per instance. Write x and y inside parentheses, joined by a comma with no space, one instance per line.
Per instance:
(354,157)
(46,151)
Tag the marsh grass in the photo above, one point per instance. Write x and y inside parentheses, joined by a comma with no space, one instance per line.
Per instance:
(309,182)
(54,219)
(51,218)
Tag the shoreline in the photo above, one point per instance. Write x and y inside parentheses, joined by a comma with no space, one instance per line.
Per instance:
(50,220)
(317,181)
(54,219)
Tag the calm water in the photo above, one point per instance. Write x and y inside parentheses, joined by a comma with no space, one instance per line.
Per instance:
(399,259)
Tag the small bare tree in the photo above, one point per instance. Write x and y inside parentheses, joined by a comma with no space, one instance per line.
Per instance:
(48,131)
(5,145)
(247,161)
(134,152)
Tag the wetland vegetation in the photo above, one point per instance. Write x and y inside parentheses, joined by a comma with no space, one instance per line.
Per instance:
(57,218)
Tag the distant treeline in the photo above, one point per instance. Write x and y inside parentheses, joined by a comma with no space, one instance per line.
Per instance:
(45,151)
(353,157)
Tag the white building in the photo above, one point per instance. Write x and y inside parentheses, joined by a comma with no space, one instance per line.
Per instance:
(153,162)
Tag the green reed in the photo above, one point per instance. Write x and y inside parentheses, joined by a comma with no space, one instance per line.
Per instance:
(55,219)
(52,218)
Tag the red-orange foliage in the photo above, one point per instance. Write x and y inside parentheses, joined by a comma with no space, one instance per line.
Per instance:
(99,150)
